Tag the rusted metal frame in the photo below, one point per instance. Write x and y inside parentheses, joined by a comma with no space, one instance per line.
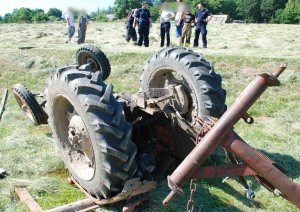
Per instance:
(134,203)
(134,190)
(76,206)
(264,167)
(28,200)
(33,206)
(218,133)
(223,171)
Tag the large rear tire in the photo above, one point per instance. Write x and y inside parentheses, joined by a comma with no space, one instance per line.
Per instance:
(201,83)
(92,134)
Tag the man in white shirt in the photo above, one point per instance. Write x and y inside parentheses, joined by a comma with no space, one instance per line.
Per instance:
(166,16)
(70,24)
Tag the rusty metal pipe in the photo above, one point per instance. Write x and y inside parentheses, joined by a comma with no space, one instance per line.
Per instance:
(213,139)
(262,166)
(279,70)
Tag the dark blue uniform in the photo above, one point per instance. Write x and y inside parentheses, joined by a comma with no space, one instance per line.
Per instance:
(143,17)
(201,27)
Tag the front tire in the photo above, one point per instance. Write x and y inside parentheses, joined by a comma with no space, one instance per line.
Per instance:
(93,55)
(29,105)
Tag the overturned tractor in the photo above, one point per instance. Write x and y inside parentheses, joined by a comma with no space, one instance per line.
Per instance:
(115,145)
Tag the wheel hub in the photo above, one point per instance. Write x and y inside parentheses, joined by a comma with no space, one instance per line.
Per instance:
(79,139)
(93,62)
(24,108)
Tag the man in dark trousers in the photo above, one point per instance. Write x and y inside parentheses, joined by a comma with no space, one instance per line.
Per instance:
(130,28)
(203,16)
(166,16)
(82,26)
(143,18)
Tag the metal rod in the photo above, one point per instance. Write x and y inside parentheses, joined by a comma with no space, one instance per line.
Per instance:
(169,198)
(262,166)
(76,206)
(2,107)
(242,179)
(215,136)
(279,70)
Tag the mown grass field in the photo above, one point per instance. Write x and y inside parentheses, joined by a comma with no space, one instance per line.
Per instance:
(239,52)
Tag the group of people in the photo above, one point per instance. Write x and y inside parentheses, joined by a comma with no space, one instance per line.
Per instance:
(184,21)
(82,26)
(142,19)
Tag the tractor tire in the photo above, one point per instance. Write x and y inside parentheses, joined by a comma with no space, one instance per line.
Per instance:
(104,159)
(199,79)
(91,54)
(29,105)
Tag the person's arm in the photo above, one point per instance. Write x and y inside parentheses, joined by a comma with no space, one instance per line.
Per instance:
(79,22)
(136,16)
(134,22)
(180,19)
(68,22)
(193,21)
(172,16)
(150,19)
(161,16)
(209,17)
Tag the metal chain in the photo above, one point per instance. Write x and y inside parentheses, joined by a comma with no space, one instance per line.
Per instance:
(191,203)
(206,127)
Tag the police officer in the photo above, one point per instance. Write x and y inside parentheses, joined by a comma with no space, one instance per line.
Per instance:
(203,16)
(143,18)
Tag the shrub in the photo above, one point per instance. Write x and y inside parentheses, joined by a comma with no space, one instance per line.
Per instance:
(102,17)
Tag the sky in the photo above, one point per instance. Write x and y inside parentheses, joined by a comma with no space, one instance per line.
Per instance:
(90,5)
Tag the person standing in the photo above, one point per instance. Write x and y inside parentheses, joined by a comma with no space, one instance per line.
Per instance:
(82,26)
(143,18)
(189,19)
(165,25)
(70,24)
(130,27)
(179,21)
(203,16)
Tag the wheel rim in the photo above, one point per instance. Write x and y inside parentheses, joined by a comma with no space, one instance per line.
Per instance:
(75,142)
(169,76)
(23,105)
(90,59)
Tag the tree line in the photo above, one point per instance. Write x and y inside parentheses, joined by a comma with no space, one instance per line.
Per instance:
(251,11)
(31,15)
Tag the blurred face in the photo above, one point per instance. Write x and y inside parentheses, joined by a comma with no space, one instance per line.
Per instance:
(165,6)
(83,12)
(200,7)
(145,5)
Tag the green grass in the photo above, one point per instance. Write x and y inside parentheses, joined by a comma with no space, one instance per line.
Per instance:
(29,154)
